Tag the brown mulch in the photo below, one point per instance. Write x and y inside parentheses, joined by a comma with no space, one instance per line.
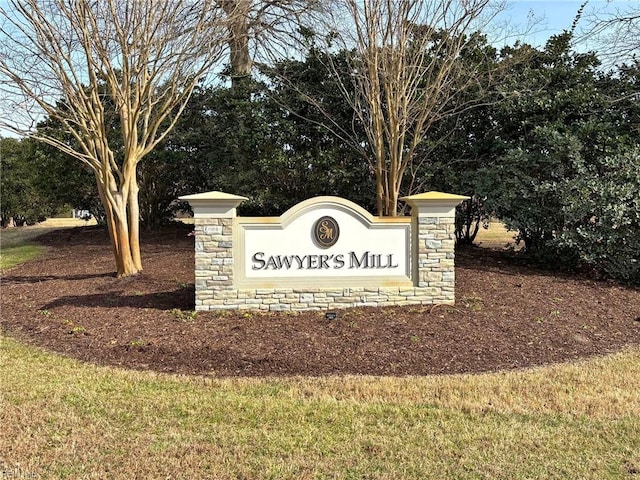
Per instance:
(507,315)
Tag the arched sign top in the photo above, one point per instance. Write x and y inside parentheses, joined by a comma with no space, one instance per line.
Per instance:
(318,203)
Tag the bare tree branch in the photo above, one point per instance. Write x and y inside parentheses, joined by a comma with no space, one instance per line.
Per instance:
(405,71)
(615,31)
(66,60)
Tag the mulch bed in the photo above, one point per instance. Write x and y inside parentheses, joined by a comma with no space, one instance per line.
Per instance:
(508,315)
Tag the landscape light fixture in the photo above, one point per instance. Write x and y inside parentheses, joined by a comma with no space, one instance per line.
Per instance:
(331,315)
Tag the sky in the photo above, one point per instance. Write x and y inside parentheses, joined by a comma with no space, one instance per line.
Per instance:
(550,17)
(555,16)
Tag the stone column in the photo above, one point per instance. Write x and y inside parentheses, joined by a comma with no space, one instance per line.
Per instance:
(213,214)
(433,243)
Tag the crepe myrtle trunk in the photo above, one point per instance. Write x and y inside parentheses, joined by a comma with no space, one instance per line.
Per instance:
(122,218)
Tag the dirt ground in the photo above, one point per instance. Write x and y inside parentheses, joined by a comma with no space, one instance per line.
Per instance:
(508,315)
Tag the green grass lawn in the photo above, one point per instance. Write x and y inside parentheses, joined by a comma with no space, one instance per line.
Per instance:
(12,256)
(62,419)
(16,246)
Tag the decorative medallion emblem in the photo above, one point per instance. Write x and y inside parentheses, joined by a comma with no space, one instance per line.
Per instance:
(326,232)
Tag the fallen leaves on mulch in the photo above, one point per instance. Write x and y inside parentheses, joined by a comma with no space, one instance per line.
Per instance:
(507,315)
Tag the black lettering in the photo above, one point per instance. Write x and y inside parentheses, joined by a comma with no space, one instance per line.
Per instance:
(287,260)
(363,262)
(312,261)
(318,262)
(258,262)
(324,261)
(271,263)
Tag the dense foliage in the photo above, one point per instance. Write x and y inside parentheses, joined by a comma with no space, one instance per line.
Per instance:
(602,215)
(555,159)
(21,201)
(38,182)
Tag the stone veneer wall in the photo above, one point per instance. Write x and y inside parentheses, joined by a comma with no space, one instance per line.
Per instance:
(214,261)
(436,257)
(215,288)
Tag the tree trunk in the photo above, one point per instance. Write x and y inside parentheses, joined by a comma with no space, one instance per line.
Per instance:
(393,203)
(239,56)
(134,225)
(380,194)
(124,240)
(125,261)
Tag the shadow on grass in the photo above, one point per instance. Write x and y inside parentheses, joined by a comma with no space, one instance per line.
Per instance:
(181,298)
(175,235)
(508,263)
(22,279)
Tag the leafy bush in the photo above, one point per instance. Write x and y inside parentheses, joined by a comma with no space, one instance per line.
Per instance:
(525,186)
(601,206)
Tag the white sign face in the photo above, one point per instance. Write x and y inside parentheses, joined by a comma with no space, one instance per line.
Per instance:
(328,241)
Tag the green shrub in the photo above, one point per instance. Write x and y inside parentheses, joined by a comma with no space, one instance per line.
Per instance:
(602,215)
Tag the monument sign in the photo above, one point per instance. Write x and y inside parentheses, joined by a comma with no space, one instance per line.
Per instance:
(323,253)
